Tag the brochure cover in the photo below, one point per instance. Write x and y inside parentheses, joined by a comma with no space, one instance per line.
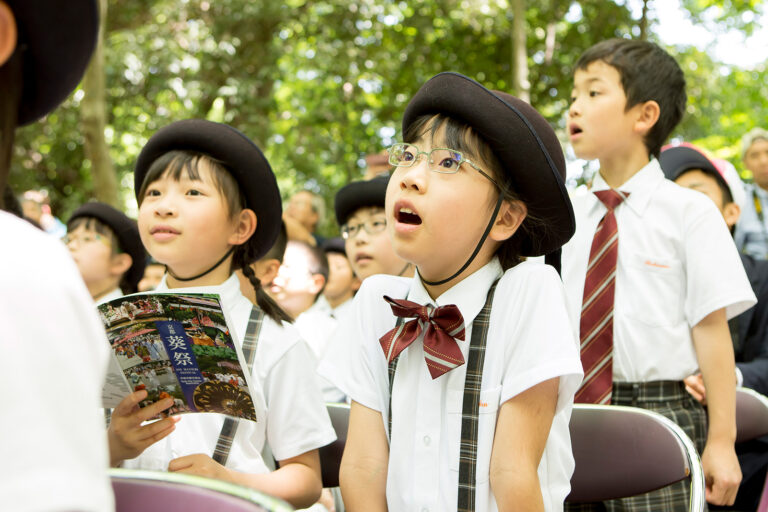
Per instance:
(176,345)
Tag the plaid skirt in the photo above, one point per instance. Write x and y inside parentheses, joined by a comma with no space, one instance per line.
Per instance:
(670,399)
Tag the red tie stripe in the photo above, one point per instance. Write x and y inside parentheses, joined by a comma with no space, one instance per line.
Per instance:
(442,327)
(596,328)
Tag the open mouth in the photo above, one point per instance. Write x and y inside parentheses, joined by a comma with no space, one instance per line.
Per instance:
(407,216)
(575,130)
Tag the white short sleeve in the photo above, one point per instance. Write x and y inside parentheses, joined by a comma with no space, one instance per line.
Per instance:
(716,278)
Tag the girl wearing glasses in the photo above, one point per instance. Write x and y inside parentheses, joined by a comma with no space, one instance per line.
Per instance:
(464,375)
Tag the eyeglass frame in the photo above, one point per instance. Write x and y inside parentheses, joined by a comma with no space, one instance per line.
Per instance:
(86,239)
(430,163)
(347,235)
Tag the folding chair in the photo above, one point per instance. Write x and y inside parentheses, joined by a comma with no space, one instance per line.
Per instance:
(155,491)
(751,415)
(330,456)
(626,451)
(751,423)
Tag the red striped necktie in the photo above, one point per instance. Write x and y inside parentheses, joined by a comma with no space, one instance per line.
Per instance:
(596,329)
(442,325)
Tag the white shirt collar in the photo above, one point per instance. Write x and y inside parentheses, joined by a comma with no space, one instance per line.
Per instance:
(640,186)
(469,295)
(229,290)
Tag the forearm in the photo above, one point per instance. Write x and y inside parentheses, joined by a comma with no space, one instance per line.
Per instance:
(714,351)
(296,483)
(517,489)
(363,485)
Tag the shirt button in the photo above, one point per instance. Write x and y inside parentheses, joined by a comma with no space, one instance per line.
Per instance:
(427,440)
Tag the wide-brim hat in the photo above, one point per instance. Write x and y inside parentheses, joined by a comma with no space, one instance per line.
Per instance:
(360,194)
(57,39)
(522,140)
(126,231)
(238,154)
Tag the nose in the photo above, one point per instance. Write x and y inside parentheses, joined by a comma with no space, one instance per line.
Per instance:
(573,109)
(164,207)
(415,177)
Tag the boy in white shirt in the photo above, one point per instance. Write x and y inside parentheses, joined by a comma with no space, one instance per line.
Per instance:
(652,274)
(426,430)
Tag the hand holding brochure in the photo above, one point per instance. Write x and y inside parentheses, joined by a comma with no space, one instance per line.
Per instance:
(179,346)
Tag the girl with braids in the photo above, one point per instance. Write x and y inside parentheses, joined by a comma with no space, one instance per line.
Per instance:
(209,205)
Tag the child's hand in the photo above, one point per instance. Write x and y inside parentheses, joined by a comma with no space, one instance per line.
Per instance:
(128,438)
(326,500)
(200,465)
(722,473)
(695,386)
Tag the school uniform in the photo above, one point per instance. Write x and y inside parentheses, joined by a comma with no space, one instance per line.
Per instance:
(528,340)
(291,415)
(676,264)
(112,295)
(52,439)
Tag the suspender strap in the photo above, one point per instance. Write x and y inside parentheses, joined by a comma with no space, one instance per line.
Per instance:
(229,428)
(471,404)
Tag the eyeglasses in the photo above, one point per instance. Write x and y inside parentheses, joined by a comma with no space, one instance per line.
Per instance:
(442,160)
(85,239)
(371,226)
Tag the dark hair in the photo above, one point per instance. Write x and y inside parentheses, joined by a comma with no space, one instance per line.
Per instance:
(648,73)
(463,138)
(172,164)
(11,85)
(94,224)
(277,251)
(725,190)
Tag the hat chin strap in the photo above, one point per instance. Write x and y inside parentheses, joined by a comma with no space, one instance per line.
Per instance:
(198,276)
(477,247)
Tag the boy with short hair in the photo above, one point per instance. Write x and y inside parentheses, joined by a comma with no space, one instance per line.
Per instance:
(651,273)
(107,248)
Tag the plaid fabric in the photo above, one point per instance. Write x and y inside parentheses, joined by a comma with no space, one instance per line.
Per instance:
(392,368)
(229,428)
(469,409)
(470,405)
(670,399)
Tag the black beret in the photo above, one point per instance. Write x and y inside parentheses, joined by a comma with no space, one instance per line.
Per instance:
(676,160)
(360,194)
(334,244)
(126,231)
(59,38)
(521,139)
(239,155)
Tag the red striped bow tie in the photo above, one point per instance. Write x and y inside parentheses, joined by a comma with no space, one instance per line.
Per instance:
(442,327)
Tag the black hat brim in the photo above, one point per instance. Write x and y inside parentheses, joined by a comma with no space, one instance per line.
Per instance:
(240,156)
(522,140)
(677,160)
(360,194)
(57,39)
(126,231)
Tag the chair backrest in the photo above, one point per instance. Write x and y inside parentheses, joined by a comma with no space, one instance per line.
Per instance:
(330,455)
(625,451)
(751,415)
(154,491)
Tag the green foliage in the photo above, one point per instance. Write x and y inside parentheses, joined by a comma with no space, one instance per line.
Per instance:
(321,84)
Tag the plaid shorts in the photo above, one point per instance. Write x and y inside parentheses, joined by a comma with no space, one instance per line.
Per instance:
(670,399)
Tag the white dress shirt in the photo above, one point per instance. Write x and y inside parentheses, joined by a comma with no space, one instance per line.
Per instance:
(291,415)
(52,438)
(530,340)
(677,263)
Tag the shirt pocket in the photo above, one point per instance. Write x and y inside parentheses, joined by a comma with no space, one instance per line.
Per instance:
(654,290)
(487,414)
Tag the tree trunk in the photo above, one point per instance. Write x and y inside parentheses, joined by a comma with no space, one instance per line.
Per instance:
(93,117)
(520,83)
(644,22)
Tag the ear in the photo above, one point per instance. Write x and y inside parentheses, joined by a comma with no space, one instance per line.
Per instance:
(317,281)
(120,264)
(647,115)
(731,214)
(509,218)
(266,270)
(8,33)
(244,227)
